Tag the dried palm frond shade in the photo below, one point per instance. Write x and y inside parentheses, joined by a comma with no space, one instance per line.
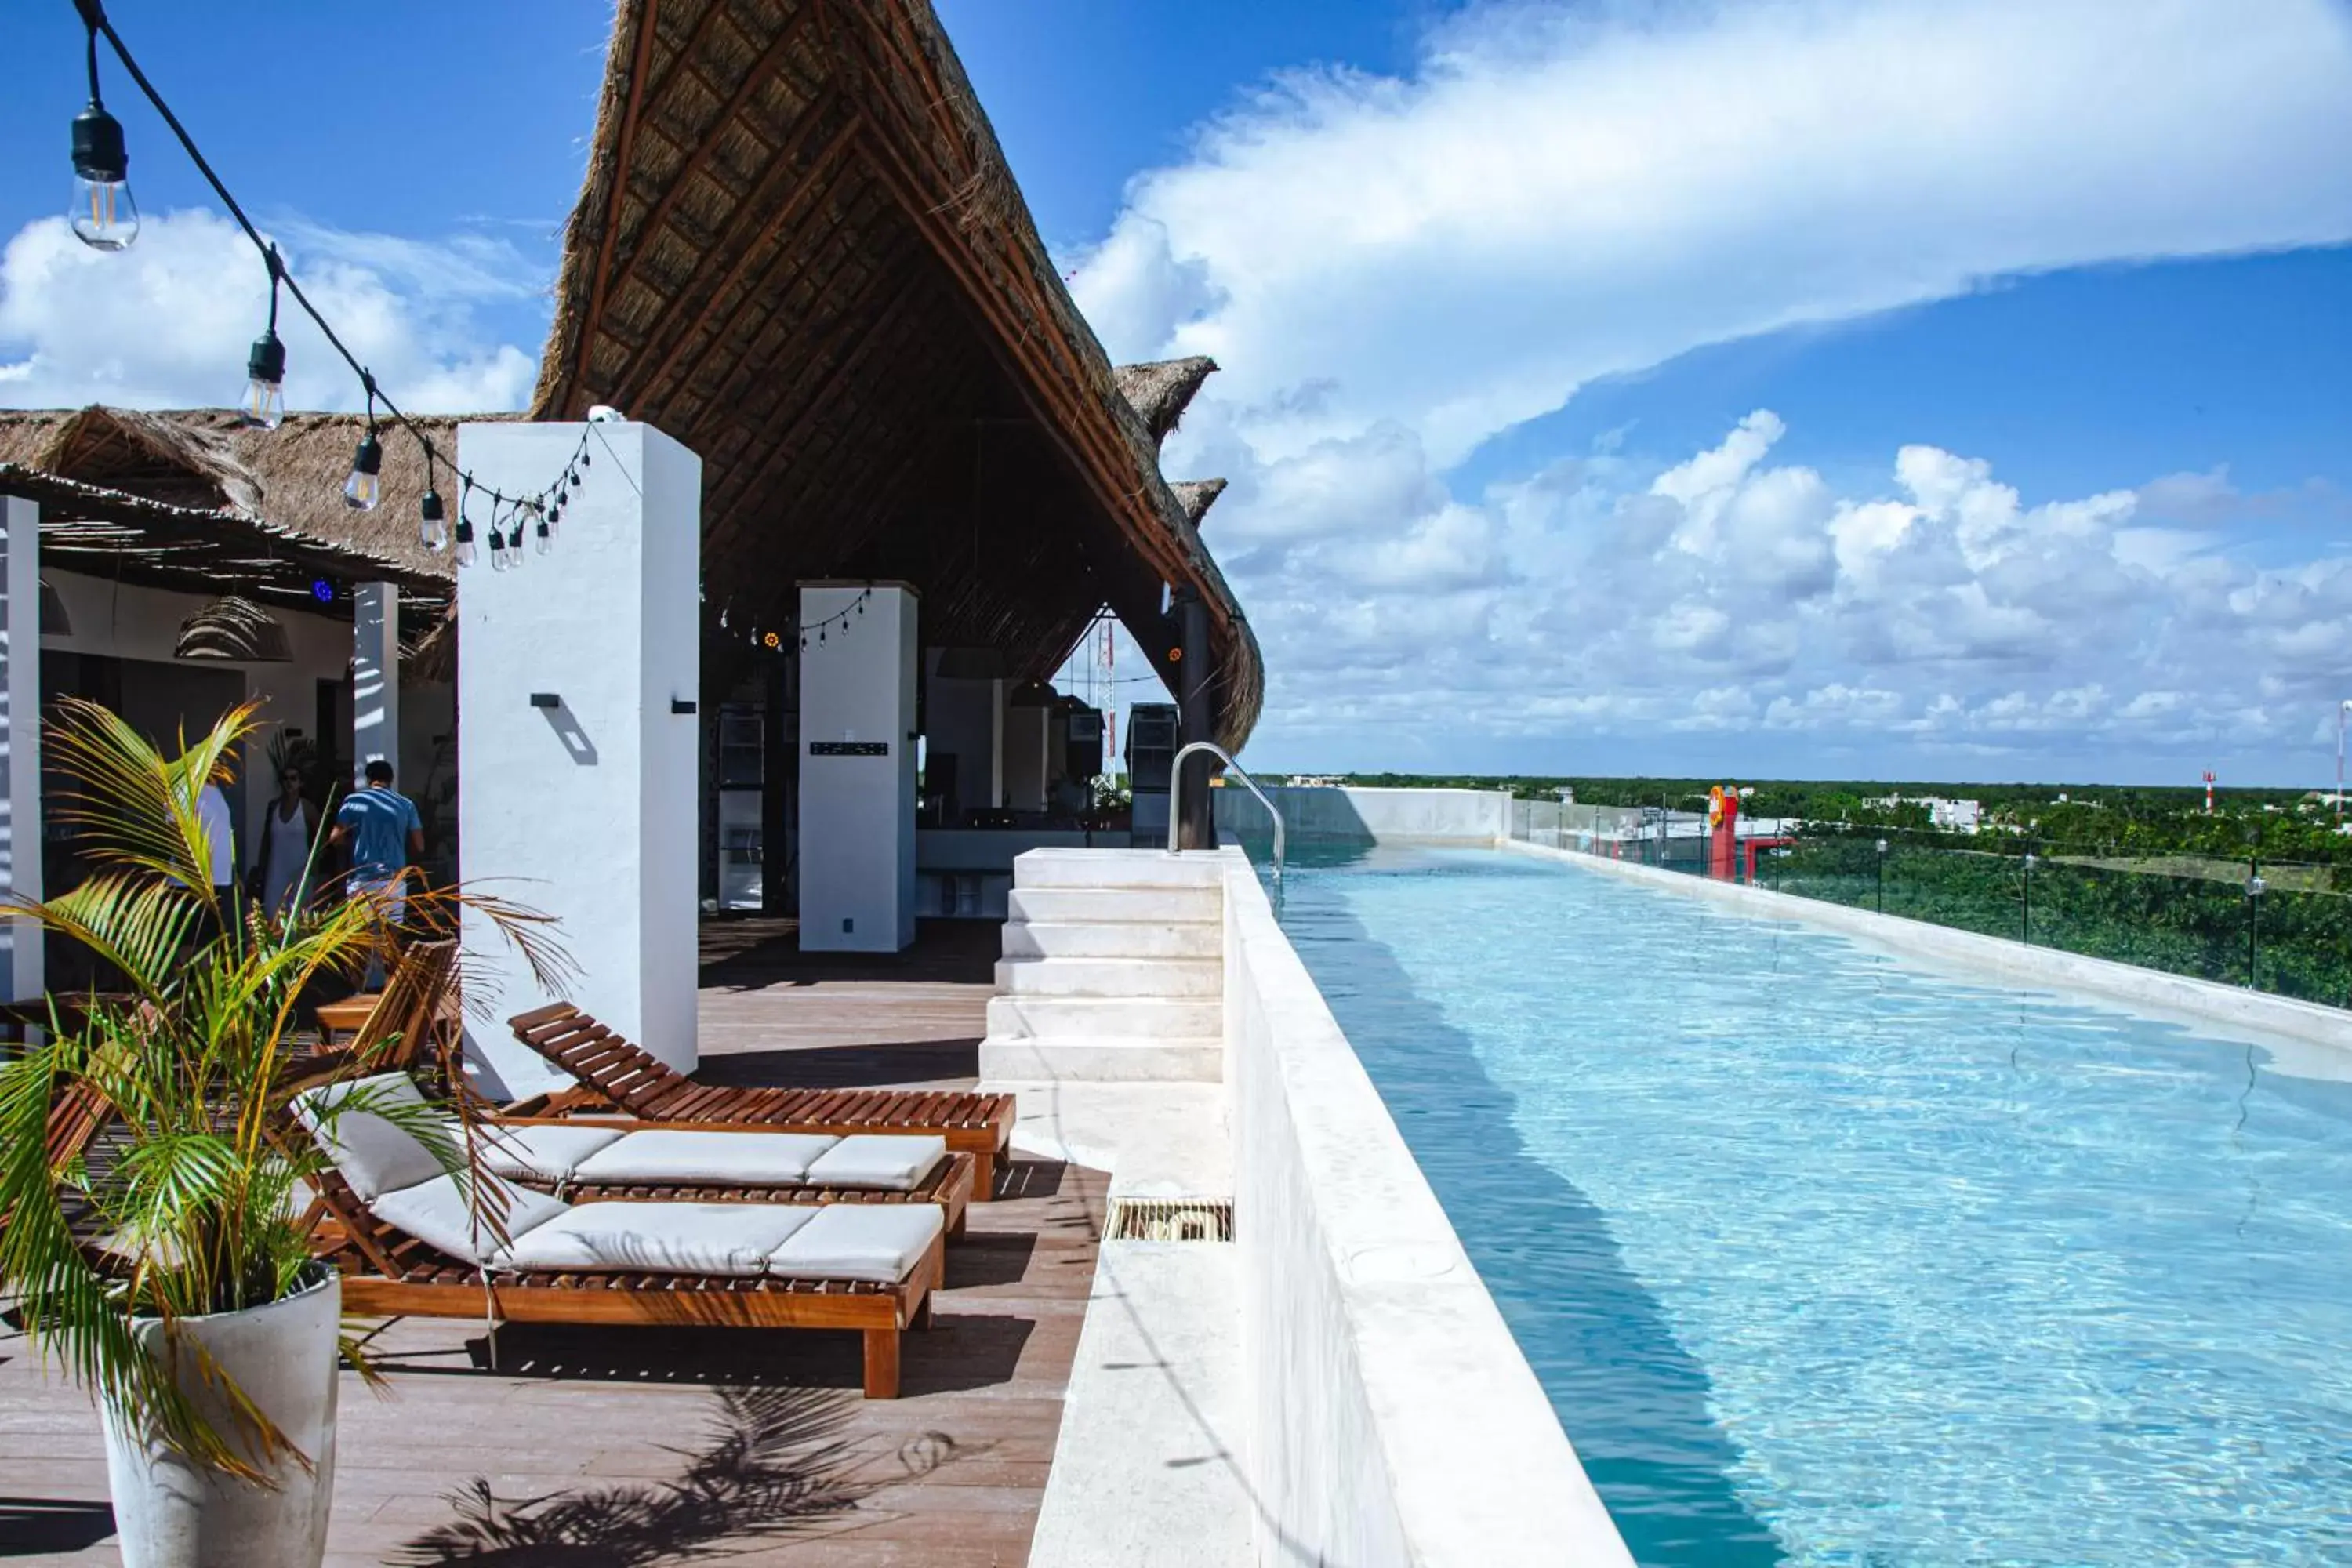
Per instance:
(238,630)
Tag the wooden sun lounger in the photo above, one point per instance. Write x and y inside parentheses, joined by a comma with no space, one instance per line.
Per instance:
(615,1074)
(949,1187)
(389,1273)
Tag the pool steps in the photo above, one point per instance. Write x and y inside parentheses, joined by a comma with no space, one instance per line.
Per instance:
(1113,970)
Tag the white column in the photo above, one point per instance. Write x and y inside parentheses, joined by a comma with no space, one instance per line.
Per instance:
(376,679)
(577,678)
(20,739)
(857,769)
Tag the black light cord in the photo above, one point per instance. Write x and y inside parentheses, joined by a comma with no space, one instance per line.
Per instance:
(94,17)
(855,607)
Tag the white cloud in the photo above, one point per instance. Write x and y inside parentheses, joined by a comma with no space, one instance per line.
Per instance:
(1394,270)
(167,324)
(1942,607)
(1559,194)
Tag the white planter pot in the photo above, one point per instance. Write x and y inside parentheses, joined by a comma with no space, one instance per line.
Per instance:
(173,1514)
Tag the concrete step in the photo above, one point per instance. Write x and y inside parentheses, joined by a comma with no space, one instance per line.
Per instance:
(1111,978)
(1084,1018)
(1113,939)
(1102,1059)
(1116,868)
(1159,906)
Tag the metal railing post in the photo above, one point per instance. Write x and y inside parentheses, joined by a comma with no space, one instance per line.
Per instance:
(1176,799)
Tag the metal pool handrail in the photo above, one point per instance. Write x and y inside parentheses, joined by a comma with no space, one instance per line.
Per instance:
(1176,801)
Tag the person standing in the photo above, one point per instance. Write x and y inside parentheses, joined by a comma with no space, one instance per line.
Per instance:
(385,836)
(287,833)
(220,842)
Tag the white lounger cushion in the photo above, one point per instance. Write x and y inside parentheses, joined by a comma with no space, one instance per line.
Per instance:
(857,1241)
(542,1153)
(886,1162)
(373,1156)
(705,1158)
(434,1212)
(682,1239)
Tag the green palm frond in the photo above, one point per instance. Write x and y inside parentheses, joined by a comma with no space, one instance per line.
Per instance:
(194,1209)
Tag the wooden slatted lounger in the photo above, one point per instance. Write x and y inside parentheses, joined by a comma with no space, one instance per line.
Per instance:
(408,1238)
(950,1185)
(613,1073)
(388,1273)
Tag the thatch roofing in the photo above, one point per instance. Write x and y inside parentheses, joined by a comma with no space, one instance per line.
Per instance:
(1160,390)
(193,501)
(798,249)
(1196,497)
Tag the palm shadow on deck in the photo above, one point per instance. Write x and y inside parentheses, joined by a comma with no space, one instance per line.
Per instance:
(775,1463)
(1634,1403)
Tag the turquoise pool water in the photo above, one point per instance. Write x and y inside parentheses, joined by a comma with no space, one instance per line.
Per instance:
(1826,1260)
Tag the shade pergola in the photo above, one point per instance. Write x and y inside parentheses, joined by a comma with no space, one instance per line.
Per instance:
(799,251)
(189,501)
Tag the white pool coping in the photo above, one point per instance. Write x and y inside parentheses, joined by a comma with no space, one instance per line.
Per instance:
(2306,1038)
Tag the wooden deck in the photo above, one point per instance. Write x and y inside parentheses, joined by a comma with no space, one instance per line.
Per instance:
(624,1448)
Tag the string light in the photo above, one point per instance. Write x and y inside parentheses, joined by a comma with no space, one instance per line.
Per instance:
(464,554)
(365,488)
(432,529)
(265,367)
(854,608)
(103,215)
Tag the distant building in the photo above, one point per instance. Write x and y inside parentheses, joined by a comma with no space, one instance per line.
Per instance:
(1951,815)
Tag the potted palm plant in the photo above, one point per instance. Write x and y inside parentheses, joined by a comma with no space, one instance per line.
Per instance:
(165,1263)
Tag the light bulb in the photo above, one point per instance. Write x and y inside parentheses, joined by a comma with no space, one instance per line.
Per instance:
(432,529)
(514,548)
(497,547)
(465,554)
(364,489)
(553,526)
(103,215)
(265,387)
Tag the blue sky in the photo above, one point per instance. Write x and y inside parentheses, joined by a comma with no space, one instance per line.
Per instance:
(1797,388)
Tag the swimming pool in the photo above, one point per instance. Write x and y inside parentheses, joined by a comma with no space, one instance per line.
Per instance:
(1824,1259)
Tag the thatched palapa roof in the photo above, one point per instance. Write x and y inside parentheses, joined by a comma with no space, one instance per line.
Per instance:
(193,501)
(1196,496)
(1160,390)
(798,249)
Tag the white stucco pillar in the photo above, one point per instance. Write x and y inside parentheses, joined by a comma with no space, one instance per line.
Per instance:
(376,679)
(20,740)
(577,679)
(857,768)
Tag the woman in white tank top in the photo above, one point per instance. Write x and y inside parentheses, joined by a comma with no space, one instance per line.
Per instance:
(286,836)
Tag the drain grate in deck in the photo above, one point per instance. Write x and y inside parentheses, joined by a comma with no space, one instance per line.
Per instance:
(1169,1219)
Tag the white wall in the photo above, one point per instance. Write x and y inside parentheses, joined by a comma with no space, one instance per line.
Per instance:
(125,621)
(961,718)
(1353,814)
(585,810)
(21,944)
(1393,1420)
(858,813)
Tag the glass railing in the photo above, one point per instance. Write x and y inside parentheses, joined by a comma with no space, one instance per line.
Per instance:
(2281,927)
